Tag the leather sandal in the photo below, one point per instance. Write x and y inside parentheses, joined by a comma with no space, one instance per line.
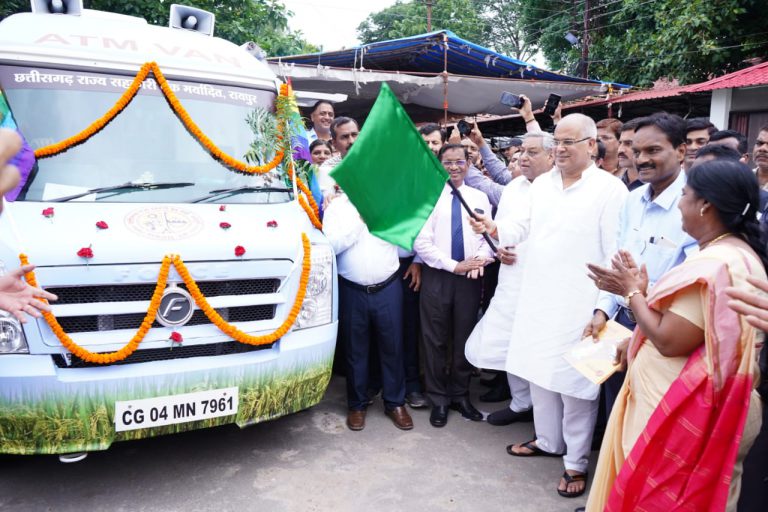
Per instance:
(569,479)
(535,450)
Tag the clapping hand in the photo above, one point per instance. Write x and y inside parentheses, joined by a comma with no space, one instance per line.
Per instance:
(623,277)
(18,297)
(753,305)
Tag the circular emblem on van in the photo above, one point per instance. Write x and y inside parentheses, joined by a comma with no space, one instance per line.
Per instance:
(164,223)
(175,307)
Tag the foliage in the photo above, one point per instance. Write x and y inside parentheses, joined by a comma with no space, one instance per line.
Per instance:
(267,137)
(506,30)
(239,21)
(639,41)
(410,18)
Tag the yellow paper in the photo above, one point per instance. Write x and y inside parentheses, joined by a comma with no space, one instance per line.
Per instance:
(595,359)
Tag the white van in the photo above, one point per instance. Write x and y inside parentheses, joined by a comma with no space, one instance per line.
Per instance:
(154,190)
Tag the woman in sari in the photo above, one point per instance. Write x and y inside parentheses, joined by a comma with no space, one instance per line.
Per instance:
(687,412)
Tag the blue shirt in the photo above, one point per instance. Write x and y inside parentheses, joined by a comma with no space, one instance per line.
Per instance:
(652,231)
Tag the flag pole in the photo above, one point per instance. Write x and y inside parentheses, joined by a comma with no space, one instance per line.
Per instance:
(472,214)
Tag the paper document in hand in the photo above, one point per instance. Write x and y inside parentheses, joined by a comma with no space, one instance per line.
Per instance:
(595,359)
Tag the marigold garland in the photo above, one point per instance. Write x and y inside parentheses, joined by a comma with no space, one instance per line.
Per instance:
(310,213)
(180,111)
(232,331)
(229,329)
(131,346)
(311,208)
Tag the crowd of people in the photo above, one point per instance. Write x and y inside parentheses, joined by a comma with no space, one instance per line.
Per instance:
(656,223)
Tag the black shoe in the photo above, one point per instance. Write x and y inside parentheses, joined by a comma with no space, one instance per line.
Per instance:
(416,400)
(465,407)
(508,416)
(439,416)
(494,381)
(497,394)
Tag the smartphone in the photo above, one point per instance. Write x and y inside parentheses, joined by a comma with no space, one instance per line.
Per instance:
(464,128)
(552,102)
(511,100)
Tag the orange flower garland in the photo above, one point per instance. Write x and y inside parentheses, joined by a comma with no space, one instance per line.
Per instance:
(99,124)
(313,217)
(200,300)
(131,346)
(232,331)
(180,111)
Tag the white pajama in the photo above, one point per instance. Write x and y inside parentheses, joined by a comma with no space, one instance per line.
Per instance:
(521,393)
(564,424)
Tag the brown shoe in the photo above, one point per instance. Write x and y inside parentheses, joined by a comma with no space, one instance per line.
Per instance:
(400,417)
(356,419)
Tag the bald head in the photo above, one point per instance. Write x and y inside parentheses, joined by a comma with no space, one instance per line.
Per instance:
(575,136)
(585,125)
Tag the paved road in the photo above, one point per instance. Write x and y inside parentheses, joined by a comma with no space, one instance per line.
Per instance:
(305,462)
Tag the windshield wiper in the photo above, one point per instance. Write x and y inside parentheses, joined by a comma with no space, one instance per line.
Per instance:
(127,187)
(239,190)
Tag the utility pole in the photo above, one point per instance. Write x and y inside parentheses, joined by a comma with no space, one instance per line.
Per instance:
(429,4)
(585,42)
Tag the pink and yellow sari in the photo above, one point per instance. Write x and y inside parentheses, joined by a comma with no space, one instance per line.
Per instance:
(685,457)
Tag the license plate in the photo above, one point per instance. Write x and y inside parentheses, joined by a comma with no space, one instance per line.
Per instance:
(168,410)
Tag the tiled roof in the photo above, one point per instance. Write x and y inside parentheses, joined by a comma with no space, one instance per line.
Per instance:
(753,75)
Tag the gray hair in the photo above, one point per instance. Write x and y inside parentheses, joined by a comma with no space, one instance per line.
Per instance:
(547,140)
(587,124)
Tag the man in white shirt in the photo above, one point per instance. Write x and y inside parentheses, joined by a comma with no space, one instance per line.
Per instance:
(651,226)
(488,345)
(370,309)
(453,259)
(569,218)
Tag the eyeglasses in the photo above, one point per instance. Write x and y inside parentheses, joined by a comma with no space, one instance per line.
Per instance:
(568,142)
(457,163)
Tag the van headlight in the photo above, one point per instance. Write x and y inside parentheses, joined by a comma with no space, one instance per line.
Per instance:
(12,340)
(318,302)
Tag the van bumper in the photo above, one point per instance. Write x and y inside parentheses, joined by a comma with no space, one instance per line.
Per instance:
(45,409)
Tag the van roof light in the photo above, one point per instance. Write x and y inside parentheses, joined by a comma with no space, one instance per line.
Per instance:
(192,18)
(70,7)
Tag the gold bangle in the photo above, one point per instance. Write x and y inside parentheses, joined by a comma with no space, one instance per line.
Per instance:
(632,294)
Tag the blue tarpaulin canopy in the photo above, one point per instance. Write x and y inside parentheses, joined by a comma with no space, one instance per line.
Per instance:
(413,67)
(425,53)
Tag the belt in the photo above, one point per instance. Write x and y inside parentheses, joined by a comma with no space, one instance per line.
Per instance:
(369,288)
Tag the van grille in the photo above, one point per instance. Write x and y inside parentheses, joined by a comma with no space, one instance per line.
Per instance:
(91,323)
(143,292)
(166,354)
(138,292)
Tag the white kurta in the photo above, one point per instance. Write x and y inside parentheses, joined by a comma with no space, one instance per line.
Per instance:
(487,345)
(565,230)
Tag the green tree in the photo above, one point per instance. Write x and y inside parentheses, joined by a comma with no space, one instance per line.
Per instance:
(239,21)
(639,41)
(506,29)
(463,17)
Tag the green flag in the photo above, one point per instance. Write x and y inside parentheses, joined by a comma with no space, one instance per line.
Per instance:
(390,175)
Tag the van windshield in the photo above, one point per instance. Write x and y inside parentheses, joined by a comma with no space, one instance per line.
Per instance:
(147,143)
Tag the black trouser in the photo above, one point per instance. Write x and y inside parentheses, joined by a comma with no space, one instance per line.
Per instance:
(448,307)
(411,330)
(372,320)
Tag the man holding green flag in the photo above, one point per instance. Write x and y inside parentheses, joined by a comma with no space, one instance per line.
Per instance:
(390,175)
